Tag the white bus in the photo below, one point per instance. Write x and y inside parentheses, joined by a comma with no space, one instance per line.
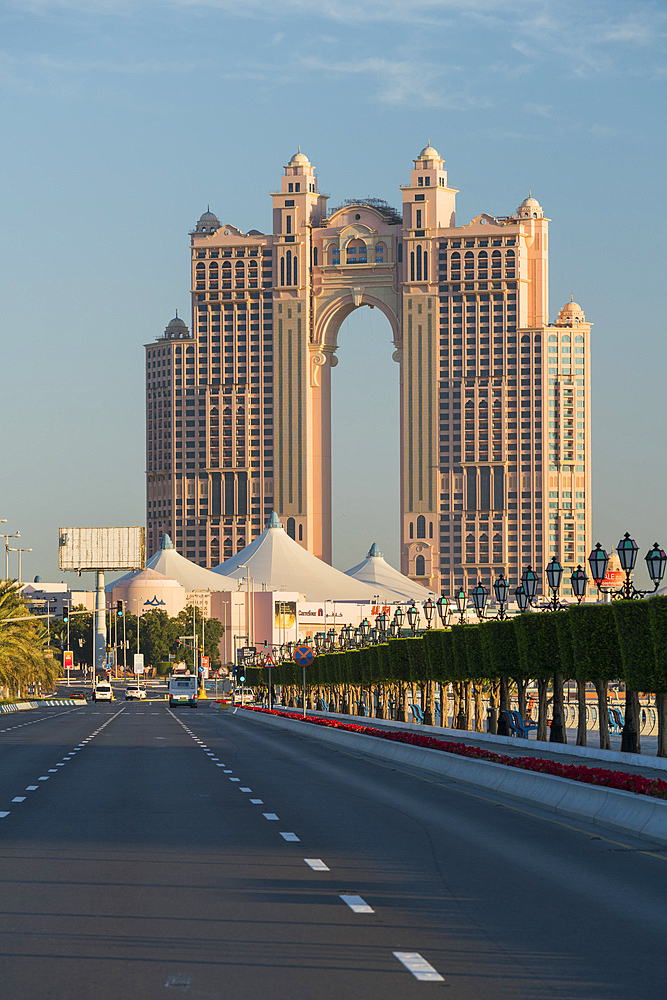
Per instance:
(183,690)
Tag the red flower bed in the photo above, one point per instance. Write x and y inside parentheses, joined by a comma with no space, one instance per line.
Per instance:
(576,772)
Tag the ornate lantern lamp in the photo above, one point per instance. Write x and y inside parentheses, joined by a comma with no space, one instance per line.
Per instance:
(579,581)
(479,597)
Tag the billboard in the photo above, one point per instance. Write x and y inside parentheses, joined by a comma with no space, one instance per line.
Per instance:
(101,548)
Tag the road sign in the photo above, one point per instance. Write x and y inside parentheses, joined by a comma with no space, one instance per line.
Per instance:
(68,659)
(269,661)
(138,663)
(303,656)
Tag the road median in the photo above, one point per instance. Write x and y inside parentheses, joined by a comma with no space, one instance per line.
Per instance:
(641,816)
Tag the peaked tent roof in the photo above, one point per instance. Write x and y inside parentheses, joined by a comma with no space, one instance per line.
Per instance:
(191,576)
(276,562)
(169,563)
(387,582)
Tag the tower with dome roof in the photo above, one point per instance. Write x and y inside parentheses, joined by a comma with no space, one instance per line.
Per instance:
(494,448)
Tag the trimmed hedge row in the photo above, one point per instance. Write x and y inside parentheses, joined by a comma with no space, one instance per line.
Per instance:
(626,640)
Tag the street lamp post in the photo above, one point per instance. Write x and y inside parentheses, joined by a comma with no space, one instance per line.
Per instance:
(462,604)
(529,583)
(521,598)
(429,608)
(19,550)
(501,589)
(444,610)
(16,534)
(479,597)
(656,561)
(413,618)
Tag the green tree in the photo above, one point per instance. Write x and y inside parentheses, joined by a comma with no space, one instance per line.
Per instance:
(23,664)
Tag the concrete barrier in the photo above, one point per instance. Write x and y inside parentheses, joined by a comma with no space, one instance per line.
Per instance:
(611,809)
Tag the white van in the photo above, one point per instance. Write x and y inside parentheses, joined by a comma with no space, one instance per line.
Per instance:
(244,696)
(103,692)
(183,690)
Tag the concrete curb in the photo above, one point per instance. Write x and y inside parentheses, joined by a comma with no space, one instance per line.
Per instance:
(23,706)
(639,815)
(591,755)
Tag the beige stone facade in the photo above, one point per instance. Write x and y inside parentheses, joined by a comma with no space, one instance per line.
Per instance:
(494,401)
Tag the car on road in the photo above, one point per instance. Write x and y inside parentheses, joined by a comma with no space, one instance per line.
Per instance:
(244,696)
(81,695)
(134,692)
(103,692)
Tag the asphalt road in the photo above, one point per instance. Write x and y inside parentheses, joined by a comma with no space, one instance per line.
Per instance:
(146,853)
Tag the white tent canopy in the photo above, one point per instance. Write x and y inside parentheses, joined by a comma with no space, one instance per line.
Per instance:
(276,562)
(387,582)
(170,563)
(191,576)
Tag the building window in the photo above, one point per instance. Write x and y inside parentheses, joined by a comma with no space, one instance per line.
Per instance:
(379,253)
(411,530)
(315,256)
(419,218)
(420,566)
(356,252)
(291,527)
(300,532)
(421,526)
(288,223)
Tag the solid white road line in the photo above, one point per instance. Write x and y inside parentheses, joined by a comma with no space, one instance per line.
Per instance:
(418,966)
(317,864)
(269,816)
(290,836)
(357,904)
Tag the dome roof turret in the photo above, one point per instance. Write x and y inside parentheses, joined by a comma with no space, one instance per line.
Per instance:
(429,153)
(299,160)
(571,313)
(208,222)
(176,328)
(530,208)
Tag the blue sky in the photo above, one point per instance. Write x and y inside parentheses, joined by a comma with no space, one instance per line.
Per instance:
(121,121)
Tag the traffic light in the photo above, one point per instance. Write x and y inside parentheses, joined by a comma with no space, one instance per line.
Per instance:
(119,608)
(242,678)
(65,614)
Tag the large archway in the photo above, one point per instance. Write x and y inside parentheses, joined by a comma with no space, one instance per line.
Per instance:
(365,434)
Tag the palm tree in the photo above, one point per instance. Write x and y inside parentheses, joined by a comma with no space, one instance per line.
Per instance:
(23,664)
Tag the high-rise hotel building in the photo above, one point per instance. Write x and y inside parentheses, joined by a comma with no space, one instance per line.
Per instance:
(494,449)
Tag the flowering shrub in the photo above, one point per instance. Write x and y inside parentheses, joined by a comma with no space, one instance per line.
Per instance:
(576,772)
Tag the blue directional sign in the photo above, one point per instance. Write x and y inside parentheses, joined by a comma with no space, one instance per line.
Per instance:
(303,656)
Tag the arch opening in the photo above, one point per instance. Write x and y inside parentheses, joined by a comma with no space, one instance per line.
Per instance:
(365,436)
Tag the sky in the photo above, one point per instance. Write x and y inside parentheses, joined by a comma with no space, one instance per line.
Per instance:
(121,120)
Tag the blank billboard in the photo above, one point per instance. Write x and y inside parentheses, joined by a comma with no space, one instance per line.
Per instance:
(101,548)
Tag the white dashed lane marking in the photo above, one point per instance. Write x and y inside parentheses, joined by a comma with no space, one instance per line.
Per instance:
(418,966)
(269,816)
(3,814)
(357,904)
(245,789)
(31,788)
(257,802)
(234,779)
(317,864)
(290,836)
(19,798)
